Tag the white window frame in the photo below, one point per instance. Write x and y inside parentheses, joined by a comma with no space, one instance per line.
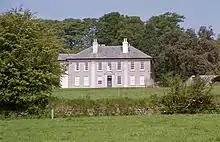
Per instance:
(77,81)
(142,80)
(132,63)
(142,64)
(86,66)
(86,81)
(77,65)
(99,79)
(118,66)
(109,66)
(119,82)
(132,80)
(99,63)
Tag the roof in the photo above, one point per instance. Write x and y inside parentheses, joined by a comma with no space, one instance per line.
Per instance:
(63,57)
(106,52)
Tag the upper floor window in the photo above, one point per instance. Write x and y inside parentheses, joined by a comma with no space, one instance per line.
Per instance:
(132,65)
(109,66)
(142,66)
(77,66)
(86,66)
(119,66)
(99,66)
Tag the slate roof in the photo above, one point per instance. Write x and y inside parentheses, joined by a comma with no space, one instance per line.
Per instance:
(106,52)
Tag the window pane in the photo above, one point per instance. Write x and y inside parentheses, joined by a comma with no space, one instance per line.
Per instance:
(86,81)
(77,81)
(100,66)
(109,67)
(99,80)
(119,65)
(119,80)
(142,80)
(132,80)
(77,66)
(132,65)
(142,66)
(86,66)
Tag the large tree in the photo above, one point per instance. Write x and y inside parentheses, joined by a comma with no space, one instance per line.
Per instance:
(154,42)
(28,61)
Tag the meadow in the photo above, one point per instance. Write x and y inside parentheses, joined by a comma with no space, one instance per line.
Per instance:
(199,127)
(103,93)
(162,128)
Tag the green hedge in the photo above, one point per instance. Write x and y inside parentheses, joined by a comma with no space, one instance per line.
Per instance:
(102,107)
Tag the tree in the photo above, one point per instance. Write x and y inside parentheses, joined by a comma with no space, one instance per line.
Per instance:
(29,69)
(157,29)
(206,33)
(108,27)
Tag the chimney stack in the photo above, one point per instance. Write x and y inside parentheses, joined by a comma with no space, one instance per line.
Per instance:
(125,46)
(95,46)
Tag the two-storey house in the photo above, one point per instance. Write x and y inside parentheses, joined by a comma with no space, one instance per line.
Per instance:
(107,66)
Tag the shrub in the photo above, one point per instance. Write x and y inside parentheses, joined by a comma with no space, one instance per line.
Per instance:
(195,98)
(102,107)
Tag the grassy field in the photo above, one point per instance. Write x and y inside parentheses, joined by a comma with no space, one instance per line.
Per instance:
(115,129)
(113,92)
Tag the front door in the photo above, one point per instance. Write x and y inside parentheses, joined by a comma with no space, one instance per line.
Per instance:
(109,81)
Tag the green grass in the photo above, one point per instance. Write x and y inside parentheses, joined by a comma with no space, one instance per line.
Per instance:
(113,129)
(106,93)
(112,92)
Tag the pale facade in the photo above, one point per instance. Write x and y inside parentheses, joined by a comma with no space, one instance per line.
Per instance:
(107,66)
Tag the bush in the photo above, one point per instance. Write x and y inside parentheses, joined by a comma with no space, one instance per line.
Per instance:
(195,98)
(102,107)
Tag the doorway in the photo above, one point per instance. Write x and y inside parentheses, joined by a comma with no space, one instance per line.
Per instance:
(109,81)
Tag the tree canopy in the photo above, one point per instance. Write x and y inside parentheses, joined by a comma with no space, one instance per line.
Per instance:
(175,50)
(28,61)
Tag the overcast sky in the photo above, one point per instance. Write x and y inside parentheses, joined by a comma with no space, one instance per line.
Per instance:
(197,12)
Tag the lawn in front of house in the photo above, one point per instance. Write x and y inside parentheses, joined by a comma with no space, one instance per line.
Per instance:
(116,128)
(104,93)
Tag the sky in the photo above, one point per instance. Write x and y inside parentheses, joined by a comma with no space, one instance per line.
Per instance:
(197,12)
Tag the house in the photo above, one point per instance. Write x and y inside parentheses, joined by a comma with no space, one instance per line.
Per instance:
(101,66)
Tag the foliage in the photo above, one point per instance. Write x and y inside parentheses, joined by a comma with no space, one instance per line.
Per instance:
(28,61)
(175,50)
(102,107)
(195,98)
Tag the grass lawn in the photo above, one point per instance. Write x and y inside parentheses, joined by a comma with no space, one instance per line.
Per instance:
(112,92)
(115,129)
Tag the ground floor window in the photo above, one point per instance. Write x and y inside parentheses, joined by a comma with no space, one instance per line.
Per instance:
(77,81)
(86,81)
(142,80)
(132,80)
(99,80)
(118,79)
